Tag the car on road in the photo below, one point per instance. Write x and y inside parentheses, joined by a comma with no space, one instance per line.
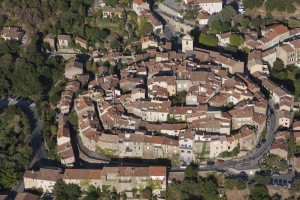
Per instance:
(258,145)
(183,167)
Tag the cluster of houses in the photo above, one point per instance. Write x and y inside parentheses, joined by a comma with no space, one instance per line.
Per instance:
(121,178)
(133,116)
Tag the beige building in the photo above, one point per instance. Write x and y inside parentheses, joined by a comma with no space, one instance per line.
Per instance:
(73,68)
(12,33)
(140,5)
(64,41)
(187,43)
(280,148)
(43,179)
(149,41)
(81,42)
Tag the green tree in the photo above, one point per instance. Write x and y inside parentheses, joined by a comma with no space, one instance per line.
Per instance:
(263,180)
(144,27)
(63,191)
(293,23)
(259,192)
(115,44)
(295,187)
(250,4)
(179,98)
(112,3)
(236,40)
(208,40)
(278,70)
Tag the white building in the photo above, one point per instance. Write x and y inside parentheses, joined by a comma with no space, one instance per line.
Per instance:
(187,43)
(210,6)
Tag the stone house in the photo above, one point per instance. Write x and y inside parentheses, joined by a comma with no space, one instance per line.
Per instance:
(81,42)
(73,68)
(12,33)
(280,148)
(64,41)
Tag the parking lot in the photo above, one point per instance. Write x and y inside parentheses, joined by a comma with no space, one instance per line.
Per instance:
(283,180)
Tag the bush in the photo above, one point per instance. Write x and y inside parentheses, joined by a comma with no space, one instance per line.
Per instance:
(238,184)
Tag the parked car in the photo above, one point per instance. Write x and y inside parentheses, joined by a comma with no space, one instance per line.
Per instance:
(280,182)
(275,182)
(290,168)
(284,183)
(183,167)
(289,184)
(220,162)
(210,163)
(271,181)
(276,174)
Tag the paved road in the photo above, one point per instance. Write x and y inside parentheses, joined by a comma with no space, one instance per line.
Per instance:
(37,141)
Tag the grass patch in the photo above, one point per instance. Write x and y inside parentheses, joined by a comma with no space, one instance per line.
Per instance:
(107,152)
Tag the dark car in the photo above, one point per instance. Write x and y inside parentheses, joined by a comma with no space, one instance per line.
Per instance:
(258,145)
(280,182)
(271,181)
(210,163)
(284,183)
(275,182)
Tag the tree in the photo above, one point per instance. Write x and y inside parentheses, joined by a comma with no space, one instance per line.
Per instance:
(250,4)
(115,44)
(245,22)
(278,70)
(236,40)
(208,40)
(291,146)
(63,191)
(179,98)
(259,192)
(15,134)
(144,27)
(295,187)
(112,3)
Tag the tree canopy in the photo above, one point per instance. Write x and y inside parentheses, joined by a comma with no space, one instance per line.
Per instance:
(236,40)
(15,150)
(208,40)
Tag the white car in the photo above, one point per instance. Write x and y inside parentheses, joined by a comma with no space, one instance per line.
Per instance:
(183,167)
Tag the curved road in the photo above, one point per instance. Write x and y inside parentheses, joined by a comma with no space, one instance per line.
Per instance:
(37,140)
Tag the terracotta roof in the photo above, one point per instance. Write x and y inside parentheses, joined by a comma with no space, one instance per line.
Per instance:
(26,196)
(63,132)
(44,174)
(82,174)
(157,171)
(139,2)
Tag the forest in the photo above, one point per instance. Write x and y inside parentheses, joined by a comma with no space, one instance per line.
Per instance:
(15,149)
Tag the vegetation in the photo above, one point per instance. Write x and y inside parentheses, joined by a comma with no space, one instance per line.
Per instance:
(293,23)
(295,187)
(15,150)
(193,186)
(291,146)
(208,40)
(191,12)
(221,22)
(235,151)
(237,183)
(261,179)
(252,3)
(63,191)
(259,192)
(144,28)
(262,137)
(274,163)
(236,40)
(179,98)
(282,6)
